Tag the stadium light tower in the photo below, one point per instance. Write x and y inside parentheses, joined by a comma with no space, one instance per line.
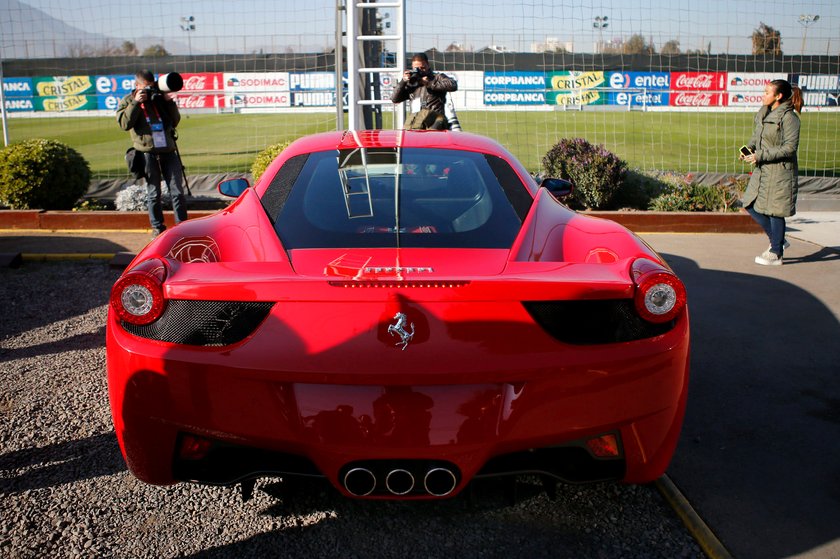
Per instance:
(807,20)
(599,23)
(188,25)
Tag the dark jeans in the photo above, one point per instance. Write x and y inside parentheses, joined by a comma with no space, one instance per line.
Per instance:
(170,165)
(773,226)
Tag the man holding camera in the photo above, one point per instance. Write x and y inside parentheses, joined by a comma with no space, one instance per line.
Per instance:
(426,91)
(150,116)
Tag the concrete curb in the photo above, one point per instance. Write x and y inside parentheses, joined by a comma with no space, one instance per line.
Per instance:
(698,529)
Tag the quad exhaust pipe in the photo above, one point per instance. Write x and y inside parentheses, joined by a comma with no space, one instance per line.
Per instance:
(438,481)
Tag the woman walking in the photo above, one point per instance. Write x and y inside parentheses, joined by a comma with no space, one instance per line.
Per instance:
(771,193)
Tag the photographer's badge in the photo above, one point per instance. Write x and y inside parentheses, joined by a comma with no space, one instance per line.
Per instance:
(158,135)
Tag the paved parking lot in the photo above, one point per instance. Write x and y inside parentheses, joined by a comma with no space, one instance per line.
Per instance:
(758,457)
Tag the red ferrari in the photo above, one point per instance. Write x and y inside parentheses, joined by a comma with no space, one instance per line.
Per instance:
(399,313)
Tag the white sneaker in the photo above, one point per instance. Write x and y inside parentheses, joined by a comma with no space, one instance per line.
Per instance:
(785,245)
(768,258)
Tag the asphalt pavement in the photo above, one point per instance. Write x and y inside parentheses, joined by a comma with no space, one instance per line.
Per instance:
(759,458)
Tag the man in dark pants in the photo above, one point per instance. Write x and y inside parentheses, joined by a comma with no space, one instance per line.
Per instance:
(150,116)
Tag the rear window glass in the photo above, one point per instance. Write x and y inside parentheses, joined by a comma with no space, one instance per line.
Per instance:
(383,197)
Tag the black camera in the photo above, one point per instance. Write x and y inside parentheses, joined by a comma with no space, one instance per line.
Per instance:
(415,75)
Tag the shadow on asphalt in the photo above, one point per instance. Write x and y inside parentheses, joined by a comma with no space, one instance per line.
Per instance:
(71,244)
(759,456)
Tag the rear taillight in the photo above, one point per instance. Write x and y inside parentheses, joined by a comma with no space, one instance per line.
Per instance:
(660,295)
(137,297)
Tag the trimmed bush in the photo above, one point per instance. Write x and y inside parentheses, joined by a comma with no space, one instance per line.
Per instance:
(596,172)
(265,157)
(42,174)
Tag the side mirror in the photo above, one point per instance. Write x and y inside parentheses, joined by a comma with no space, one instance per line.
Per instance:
(233,187)
(559,188)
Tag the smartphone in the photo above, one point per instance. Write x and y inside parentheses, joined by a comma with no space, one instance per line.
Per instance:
(745,151)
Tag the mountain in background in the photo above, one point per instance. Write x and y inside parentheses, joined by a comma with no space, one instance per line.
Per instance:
(27,32)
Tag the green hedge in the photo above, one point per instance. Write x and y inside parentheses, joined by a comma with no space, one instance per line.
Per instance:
(42,174)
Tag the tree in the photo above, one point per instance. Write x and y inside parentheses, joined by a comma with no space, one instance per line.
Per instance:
(671,48)
(637,45)
(155,50)
(128,48)
(766,40)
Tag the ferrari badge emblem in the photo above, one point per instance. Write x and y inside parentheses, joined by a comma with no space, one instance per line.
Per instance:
(398,328)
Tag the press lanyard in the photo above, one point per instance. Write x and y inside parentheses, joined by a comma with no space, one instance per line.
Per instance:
(158,134)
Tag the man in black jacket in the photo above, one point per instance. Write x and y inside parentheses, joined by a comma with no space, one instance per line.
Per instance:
(150,116)
(426,91)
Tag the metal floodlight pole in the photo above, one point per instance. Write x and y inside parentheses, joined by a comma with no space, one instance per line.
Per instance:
(599,22)
(188,25)
(806,20)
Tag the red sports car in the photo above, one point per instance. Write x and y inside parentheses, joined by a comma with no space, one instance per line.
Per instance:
(399,313)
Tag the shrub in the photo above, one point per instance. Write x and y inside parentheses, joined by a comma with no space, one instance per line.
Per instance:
(682,194)
(42,174)
(132,198)
(596,172)
(265,157)
(91,205)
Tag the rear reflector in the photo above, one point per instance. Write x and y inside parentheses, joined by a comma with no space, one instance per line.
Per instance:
(605,446)
(193,447)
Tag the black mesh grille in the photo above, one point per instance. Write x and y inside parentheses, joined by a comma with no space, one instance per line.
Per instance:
(593,322)
(204,323)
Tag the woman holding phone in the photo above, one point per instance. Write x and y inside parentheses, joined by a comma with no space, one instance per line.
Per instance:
(771,193)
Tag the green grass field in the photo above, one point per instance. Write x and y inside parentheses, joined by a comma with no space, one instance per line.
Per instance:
(675,141)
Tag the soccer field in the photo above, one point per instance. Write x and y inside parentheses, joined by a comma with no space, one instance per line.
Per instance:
(673,141)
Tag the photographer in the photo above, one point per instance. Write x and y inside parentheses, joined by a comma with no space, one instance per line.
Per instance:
(426,91)
(151,117)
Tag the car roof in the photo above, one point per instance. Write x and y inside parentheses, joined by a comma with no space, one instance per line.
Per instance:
(345,139)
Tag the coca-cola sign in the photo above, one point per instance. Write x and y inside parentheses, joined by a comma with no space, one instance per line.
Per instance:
(210,81)
(698,81)
(199,101)
(695,99)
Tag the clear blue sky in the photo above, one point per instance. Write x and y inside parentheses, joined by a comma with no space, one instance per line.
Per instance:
(248,25)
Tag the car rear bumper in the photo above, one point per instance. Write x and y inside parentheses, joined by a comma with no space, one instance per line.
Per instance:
(516,414)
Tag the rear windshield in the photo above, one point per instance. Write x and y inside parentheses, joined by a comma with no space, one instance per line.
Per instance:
(377,197)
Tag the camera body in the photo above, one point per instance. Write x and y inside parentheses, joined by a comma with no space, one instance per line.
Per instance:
(416,74)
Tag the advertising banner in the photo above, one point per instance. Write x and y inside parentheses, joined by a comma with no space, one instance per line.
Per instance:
(16,104)
(514,88)
(577,88)
(17,87)
(751,82)
(272,82)
(206,81)
(120,85)
(818,90)
(66,103)
(56,86)
(696,99)
(752,99)
(108,102)
(199,101)
(313,99)
(698,81)
(312,81)
(258,100)
(746,89)
(642,89)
